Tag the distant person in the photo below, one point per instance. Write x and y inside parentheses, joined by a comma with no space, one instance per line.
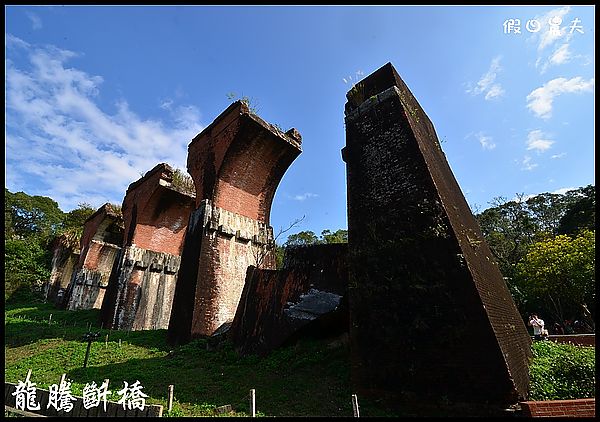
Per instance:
(569,327)
(538,327)
(558,329)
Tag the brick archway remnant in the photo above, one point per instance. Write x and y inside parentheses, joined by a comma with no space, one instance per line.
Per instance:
(155,213)
(236,163)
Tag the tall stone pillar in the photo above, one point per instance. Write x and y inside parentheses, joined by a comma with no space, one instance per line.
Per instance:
(237,163)
(156,209)
(430,312)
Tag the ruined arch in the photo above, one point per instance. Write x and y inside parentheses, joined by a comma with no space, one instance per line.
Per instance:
(237,163)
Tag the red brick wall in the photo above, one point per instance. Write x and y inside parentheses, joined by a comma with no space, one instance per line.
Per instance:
(90,229)
(223,262)
(577,339)
(237,163)
(155,214)
(94,228)
(584,408)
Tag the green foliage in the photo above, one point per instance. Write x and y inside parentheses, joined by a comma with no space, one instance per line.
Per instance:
(581,213)
(206,378)
(31,225)
(27,216)
(183,182)
(251,103)
(562,371)
(279,254)
(339,236)
(26,263)
(308,237)
(76,218)
(509,227)
(302,238)
(203,378)
(560,271)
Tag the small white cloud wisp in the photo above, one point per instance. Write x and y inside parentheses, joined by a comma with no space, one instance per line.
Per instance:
(541,99)
(487,84)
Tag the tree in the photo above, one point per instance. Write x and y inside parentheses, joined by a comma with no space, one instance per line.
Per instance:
(339,236)
(508,228)
(581,212)
(31,224)
(76,218)
(30,215)
(309,237)
(26,263)
(303,238)
(560,272)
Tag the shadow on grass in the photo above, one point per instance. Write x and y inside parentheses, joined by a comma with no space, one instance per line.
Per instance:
(299,380)
(27,325)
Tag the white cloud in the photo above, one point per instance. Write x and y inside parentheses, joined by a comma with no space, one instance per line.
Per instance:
(59,143)
(527,164)
(485,141)
(545,36)
(540,100)
(557,156)
(36,22)
(536,141)
(304,196)
(355,79)
(486,83)
(561,55)
(562,191)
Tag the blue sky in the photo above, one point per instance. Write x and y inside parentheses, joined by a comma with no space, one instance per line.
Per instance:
(98,95)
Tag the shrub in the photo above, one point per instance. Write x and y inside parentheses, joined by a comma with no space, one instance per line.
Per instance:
(562,371)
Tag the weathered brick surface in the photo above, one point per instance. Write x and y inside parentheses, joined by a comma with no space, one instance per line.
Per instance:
(582,408)
(100,246)
(430,312)
(64,261)
(307,295)
(89,283)
(145,286)
(155,214)
(237,163)
(230,243)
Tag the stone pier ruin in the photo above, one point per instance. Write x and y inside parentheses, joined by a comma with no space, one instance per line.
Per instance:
(308,296)
(100,247)
(237,163)
(65,257)
(430,312)
(156,210)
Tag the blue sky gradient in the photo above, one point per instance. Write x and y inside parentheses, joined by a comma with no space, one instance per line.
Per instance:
(97,95)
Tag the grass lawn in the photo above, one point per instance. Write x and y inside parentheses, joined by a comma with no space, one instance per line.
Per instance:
(309,378)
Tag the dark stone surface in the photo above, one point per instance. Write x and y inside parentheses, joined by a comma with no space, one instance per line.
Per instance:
(430,311)
(307,295)
(182,311)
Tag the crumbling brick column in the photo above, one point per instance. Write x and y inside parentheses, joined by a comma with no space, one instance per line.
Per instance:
(308,295)
(237,163)
(64,261)
(100,247)
(430,312)
(155,212)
